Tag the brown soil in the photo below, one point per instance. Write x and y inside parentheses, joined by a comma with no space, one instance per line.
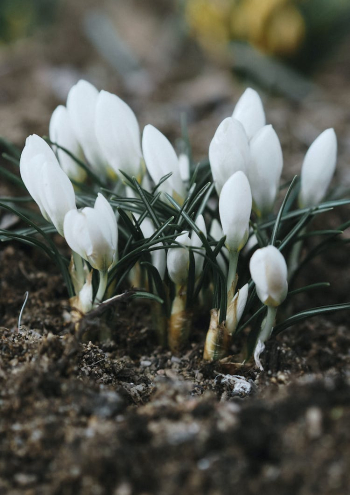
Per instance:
(123,416)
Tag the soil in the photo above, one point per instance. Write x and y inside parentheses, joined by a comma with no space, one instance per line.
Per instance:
(112,412)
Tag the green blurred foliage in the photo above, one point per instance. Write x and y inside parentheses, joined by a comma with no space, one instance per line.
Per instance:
(19,18)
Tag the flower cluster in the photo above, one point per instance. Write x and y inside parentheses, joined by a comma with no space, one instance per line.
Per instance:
(134,211)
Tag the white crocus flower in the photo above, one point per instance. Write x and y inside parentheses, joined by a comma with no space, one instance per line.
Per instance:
(265,168)
(228,151)
(249,111)
(158,256)
(178,260)
(61,132)
(93,234)
(268,269)
(318,169)
(118,134)
(81,106)
(235,206)
(161,159)
(46,182)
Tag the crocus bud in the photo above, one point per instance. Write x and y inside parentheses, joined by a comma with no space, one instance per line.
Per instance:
(235,206)
(93,234)
(61,132)
(265,168)
(249,111)
(118,134)
(178,260)
(268,269)
(235,309)
(161,159)
(228,151)
(81,106)
(46,182)
(158,256)
(318,169)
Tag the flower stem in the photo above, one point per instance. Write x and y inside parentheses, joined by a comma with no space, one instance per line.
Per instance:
(294,256)
(79,267)
(102,286)
(268,323)
(233,260)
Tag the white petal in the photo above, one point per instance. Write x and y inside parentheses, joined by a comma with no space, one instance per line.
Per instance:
(250,112)
(81,106)
(228,151)
(76,233)
(235,206)
(118,134)
(102,253)
(178,260)
(161,159)
(106,212)
(318,169)
(57,194)
(265,169)
(61,132)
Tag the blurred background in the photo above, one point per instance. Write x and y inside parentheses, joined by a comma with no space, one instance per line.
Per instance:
(174,58)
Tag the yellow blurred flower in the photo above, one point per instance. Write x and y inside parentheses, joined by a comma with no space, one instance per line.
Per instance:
(273,26)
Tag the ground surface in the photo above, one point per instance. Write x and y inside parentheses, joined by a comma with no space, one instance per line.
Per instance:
(113,413)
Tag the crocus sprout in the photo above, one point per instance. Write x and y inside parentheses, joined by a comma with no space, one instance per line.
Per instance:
(250,112)
(118,135)
(93,234)
(228,151)
(161,159)
(268,269)
(46,182)
(61,133)
(265,168)
(318,169)
(178,269)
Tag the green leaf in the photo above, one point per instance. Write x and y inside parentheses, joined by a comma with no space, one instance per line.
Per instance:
(295,230)
(306,288)
(146,295)
(280,213)
(12,177)
(158,282)
(11,148)
(310,313)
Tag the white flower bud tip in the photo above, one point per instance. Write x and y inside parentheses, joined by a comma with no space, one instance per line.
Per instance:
(249,111)
(318,169)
